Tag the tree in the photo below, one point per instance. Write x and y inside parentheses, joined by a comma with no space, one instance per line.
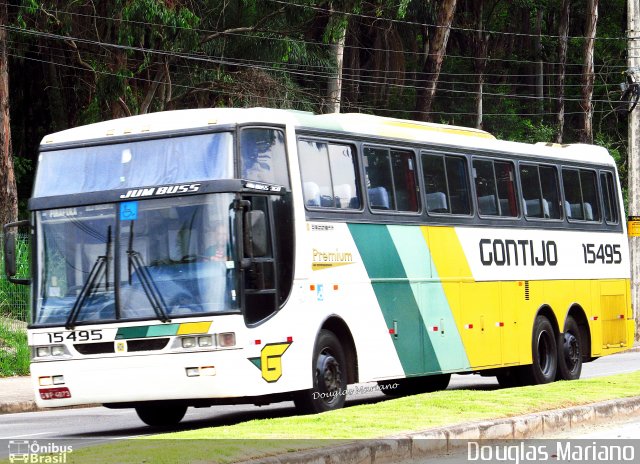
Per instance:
(563,39)
(435,50)
(8,189)
(588,72)
(336,35)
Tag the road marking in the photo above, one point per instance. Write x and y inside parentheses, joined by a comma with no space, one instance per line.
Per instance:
(23,436)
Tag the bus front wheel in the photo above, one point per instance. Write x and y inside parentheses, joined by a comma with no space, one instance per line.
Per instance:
(544,353)
(161,414)
(570,351)
(329,377)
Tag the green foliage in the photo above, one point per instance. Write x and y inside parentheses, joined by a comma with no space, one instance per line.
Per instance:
(14,351)
(14,299)
(91,61)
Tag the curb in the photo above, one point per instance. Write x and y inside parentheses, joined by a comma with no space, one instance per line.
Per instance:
(14,407)
(436,442)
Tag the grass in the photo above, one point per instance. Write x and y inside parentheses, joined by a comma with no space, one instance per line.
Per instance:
(14,352)
(264,437)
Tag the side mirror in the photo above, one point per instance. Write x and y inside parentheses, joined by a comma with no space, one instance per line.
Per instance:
(10,253)
(256,243)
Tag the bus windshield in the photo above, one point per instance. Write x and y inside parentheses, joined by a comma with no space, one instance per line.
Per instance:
(135,164)
(156,258)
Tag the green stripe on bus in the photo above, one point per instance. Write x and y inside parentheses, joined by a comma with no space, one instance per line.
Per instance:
(437,316)
(146,331)
(396,297)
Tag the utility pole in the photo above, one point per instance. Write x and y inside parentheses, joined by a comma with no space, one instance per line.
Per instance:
(633,57)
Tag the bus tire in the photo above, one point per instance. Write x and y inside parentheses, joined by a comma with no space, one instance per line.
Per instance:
(544,353)
(161,414)
(570,351)
(329,377)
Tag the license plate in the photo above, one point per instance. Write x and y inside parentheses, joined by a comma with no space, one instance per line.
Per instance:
(55,393)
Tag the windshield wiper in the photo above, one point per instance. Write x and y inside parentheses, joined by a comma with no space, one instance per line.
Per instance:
(102,262)
(147,282)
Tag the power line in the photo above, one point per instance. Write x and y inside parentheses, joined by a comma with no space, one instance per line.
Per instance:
(456,28)
(406,52)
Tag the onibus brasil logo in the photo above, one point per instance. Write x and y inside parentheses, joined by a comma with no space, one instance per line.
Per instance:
(41,453)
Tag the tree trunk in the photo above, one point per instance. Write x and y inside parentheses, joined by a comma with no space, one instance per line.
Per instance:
(588,72)
(338,36)
(563,41)
(481,45)
(8,189)
(429,76)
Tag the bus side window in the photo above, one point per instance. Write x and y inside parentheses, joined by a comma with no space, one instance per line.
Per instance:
(391,179)
(446,185)
(263,156)
(540,191)
(495,188)
(328,175)
(550,191)
(590,197)
(581,194)
(609,196)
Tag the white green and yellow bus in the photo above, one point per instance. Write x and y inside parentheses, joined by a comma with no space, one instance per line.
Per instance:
(220,256)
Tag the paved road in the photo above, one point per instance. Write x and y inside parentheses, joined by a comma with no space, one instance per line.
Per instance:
(101,424)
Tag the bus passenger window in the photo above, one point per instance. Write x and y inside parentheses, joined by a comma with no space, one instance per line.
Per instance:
(495,188)
(590,198)
(328,175)
(263,156)
(550,191)
(609,196)
(445,179)
(581,195)
(540,191)
(391,179)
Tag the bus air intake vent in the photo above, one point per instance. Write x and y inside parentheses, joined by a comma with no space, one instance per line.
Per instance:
(95,348)
(526,290)
(148,344)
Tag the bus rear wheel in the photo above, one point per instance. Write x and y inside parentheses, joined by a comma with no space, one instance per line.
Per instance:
(544,353)
(570,351)
(161,414)
(329,377)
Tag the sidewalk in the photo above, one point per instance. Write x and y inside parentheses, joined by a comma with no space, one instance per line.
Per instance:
(16,395)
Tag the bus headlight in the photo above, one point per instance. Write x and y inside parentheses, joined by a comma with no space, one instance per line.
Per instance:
(43,351)
(207,340)
(50,351)
(57,350)
(188,342)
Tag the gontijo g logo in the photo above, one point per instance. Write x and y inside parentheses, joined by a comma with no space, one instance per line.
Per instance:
(270,360)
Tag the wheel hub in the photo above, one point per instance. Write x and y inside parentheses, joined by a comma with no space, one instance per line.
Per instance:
(571,350)
(329,375)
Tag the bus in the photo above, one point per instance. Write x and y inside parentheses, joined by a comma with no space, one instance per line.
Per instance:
(250,255)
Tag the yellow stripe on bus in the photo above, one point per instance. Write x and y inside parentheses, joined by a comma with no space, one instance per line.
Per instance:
(188,328)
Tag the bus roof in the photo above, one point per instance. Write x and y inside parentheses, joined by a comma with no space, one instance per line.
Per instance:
(349,123)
